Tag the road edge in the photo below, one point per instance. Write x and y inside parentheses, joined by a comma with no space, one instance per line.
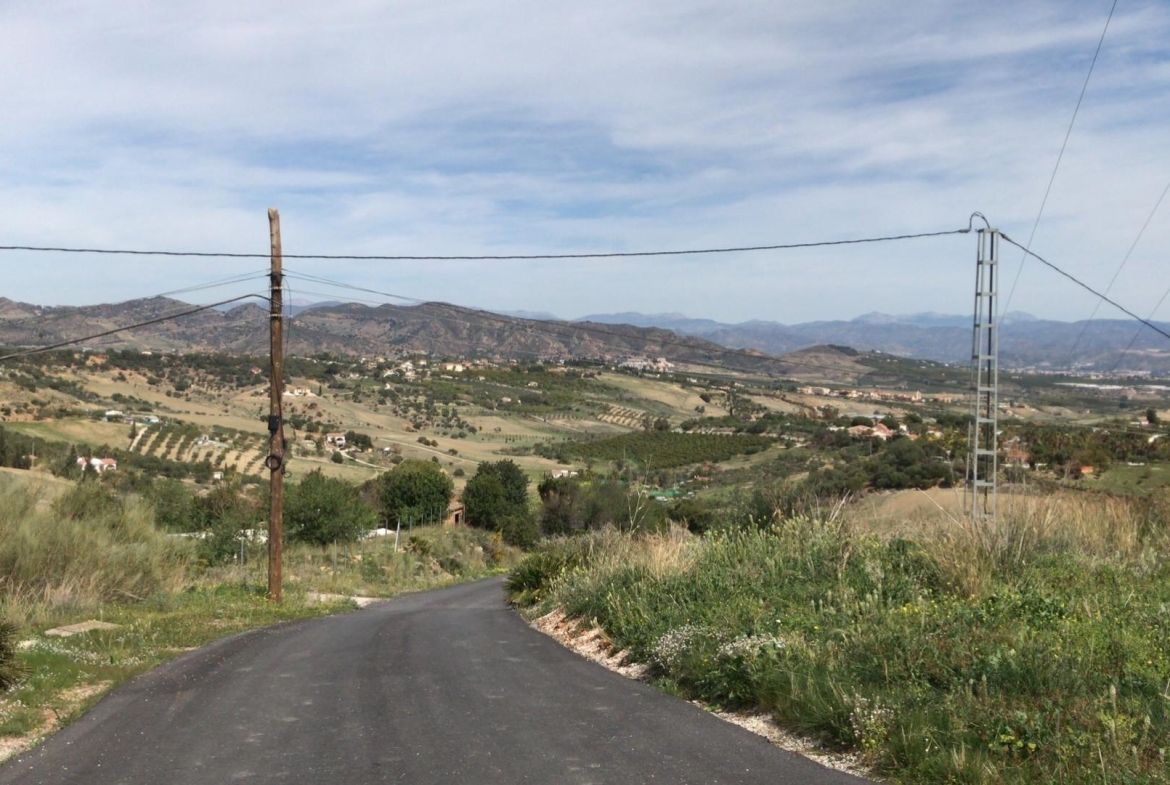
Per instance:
(593,644)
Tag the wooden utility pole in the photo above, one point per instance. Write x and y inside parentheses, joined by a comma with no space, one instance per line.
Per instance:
(275,461)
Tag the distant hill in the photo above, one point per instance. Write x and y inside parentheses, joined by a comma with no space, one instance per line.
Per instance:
(1025,341)
(351,328)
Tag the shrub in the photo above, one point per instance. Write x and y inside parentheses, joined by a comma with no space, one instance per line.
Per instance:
(414,488)
(10,670)
(322,509)
(90,547)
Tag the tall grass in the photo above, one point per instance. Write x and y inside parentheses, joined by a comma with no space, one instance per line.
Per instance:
(1092,528)
(1037,649)
(87,548)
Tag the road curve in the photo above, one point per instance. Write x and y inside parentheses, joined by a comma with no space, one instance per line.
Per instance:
(446,686)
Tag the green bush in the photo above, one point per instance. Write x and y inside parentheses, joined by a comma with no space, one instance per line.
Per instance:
(322,510)
(415,488)
(224,513)
(10,670)
(530,581)
(497,498)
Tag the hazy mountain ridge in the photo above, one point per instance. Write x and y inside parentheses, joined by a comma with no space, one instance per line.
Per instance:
(1025,340)
(352,328)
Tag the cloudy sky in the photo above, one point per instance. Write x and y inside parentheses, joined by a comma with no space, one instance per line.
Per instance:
(496,127)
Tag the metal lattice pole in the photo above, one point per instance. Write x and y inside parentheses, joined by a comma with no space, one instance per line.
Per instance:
(982,449)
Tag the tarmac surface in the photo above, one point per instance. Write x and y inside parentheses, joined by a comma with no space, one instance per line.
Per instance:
(447,686)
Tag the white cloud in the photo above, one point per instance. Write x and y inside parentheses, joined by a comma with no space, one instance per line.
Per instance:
(499,127)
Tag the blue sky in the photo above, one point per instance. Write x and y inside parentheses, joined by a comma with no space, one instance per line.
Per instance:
(529,127)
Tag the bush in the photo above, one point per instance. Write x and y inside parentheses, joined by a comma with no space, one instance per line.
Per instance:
(415,489)
(174,505)
(529,582)
(90,547)
(10,670)
(496,495)
(322,510)
(224,514)
(520,529)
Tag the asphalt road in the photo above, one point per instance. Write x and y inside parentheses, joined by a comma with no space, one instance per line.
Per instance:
(448,686)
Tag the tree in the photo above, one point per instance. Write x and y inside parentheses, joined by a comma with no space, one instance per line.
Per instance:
(174,505)
(485,501)
(498,489)
(561,502)
(414,488)
(361,441)
(695,515)
(1152,416)
(497,498)
(322,509)
(511,476)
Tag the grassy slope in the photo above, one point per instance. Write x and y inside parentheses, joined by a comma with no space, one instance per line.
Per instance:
(1043,657)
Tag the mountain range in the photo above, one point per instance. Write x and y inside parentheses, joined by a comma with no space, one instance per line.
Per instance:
(442,329)
(1025,341)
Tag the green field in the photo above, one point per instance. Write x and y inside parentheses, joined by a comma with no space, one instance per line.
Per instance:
(1142,480)
(666,449)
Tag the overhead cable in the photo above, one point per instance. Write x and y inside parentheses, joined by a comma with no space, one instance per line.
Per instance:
(244,278)
(1088,288)
(502,257)
(1120,267)
(1136,334)
(1059,157)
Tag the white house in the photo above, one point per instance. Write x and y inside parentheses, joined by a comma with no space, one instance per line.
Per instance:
(99,465)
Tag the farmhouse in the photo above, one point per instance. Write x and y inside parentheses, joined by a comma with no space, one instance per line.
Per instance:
(335,440)
(99,465)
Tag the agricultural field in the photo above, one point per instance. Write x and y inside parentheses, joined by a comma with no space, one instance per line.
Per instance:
(665,449)
(701,432)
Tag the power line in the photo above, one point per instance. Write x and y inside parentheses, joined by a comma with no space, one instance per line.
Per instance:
(1133,340)
(1088,288)
(63,344)
(1059,157)
(1120,267)
(506,257)
(71,310)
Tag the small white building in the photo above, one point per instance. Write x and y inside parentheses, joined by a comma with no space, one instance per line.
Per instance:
(99,465)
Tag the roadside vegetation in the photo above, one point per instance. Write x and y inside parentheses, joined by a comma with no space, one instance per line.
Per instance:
(173,567)
(1037,650)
